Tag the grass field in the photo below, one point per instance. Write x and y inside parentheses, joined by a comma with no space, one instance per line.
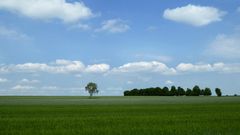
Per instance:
(120,115)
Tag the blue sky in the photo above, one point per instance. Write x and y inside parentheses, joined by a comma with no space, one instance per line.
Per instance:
(55,47)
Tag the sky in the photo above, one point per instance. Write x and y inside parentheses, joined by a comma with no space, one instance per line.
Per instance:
(55,47)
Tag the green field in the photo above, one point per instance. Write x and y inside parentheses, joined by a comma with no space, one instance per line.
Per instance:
(120,115)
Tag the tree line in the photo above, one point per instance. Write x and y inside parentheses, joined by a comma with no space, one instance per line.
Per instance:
(173,91)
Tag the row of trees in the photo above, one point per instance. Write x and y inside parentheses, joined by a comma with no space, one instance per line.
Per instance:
(173,91)
(195,91)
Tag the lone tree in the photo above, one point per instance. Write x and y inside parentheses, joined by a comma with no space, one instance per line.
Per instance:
(91,88)
(218,92)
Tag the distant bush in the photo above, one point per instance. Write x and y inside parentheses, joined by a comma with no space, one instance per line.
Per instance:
(188,92)
(218,92)
(207,92)
(165,91)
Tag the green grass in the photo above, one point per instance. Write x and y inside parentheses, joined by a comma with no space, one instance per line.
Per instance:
(120,115)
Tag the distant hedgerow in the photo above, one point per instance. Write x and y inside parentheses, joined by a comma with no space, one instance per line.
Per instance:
(165,91)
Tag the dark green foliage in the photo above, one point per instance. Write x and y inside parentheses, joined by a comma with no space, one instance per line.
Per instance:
(180,91)
(125,93)
(165,91)
(134,92)
(202,92)
(207,92)
(91,88)
(196,91)
(218,92)
(173,91)
(188,92)
(161,92)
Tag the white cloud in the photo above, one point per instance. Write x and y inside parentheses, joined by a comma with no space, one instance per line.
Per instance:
(68,62)
(79,69)
(169,82)
(188,67)
(194,15)
(3,80)
(48,9)
(216,67)
(97,68)
(31,67)
(22,87)
(226,68)
(27,81)
(225,46)
(152,66)
(161,68)
(4,69)
(59,66)
(114,26)
(66,66)
(12,34)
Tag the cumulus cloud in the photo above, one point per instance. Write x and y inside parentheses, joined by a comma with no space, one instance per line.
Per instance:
(12,34)
(22,87)
(59,66)
(66,66)
(77,68)
(161,68)
(189,67)
(30,67)
(48,9)
(97,68)
(152,66)
(114,26)
(194,15)
(225,46)
(3,80)
(216,67)
(4,69)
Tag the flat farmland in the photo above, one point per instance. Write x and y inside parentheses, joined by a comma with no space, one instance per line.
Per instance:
(73,115)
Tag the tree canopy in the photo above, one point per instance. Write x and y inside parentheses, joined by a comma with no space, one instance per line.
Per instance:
(218,92)
(179,91)
(91,88)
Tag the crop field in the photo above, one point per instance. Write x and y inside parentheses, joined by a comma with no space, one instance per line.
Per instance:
(119,115)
